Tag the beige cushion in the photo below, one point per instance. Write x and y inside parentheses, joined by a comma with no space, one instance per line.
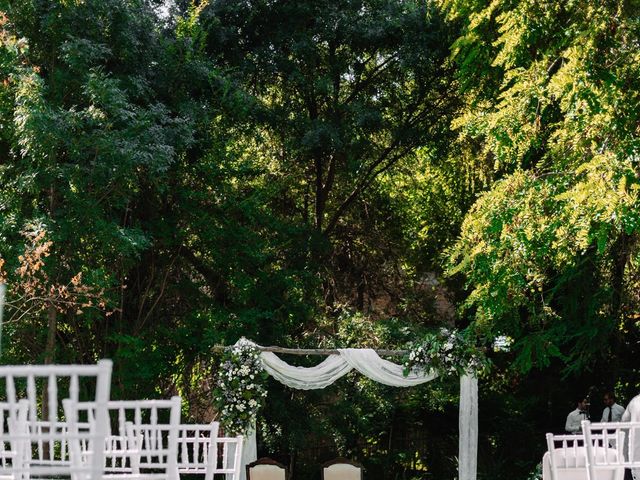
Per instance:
(266,472)
(342,471)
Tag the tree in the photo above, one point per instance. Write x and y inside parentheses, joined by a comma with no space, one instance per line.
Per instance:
(560,129)
(342,93)
(86,135)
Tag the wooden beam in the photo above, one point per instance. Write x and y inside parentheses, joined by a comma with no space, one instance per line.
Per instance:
(314,351)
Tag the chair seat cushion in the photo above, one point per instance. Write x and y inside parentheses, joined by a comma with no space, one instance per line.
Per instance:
(342,471)
(267,472)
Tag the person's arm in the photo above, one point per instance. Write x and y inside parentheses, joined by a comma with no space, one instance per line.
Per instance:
(568,426)
(626,416)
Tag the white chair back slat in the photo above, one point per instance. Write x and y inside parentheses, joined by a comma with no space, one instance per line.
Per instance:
(237,461)
(11,389)
(32,397)
(74,388)
(52,392)
(122,420)
(225,453)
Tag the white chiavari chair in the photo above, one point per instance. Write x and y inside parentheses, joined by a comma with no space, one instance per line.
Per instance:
(197,449)
(13,426)
(601,438)
(143,441)
(47,438)
(229,457)
(566,458)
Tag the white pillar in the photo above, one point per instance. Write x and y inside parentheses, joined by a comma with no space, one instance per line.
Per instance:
(468,426)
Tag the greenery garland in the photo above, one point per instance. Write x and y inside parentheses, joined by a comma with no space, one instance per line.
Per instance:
(241,388)
(448,352)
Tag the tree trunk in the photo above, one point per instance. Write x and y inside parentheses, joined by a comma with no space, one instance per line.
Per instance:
(49,352)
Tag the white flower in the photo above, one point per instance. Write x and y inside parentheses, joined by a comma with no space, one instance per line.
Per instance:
(502,343)
(252,403)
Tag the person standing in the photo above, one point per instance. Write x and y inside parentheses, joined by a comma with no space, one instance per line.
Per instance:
(575,418)
(612,412)
(632,414)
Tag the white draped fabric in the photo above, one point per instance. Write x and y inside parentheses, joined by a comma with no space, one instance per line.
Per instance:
(305,378)
(468,428)
(366,361)
(369,363)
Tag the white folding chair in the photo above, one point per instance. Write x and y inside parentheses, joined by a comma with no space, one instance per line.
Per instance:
(13,427)
(566,458)
(47,437)
(229,457)
(197,449)
(622,437)
(144,441)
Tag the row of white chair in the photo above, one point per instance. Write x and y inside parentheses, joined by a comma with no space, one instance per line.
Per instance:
(602,452)
(47,432)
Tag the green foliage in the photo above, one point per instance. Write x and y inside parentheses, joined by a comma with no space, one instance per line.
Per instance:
(293,173)
(446,352)
(548,250)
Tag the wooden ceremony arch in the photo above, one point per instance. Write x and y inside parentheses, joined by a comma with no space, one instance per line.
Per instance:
(467,416)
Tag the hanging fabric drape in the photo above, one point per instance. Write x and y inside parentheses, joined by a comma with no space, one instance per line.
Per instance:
(334,367)
(369,363)
(468,428)
(305,378)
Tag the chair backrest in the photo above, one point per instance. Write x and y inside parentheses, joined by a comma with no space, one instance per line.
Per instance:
(623,437)
(142,438)
(341,469)
(197,450)
(266,469)
(13,428)
(229,457)
(566,458)
(47,435)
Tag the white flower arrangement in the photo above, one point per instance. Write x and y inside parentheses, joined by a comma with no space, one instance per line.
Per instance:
(241,388)
(449,352)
